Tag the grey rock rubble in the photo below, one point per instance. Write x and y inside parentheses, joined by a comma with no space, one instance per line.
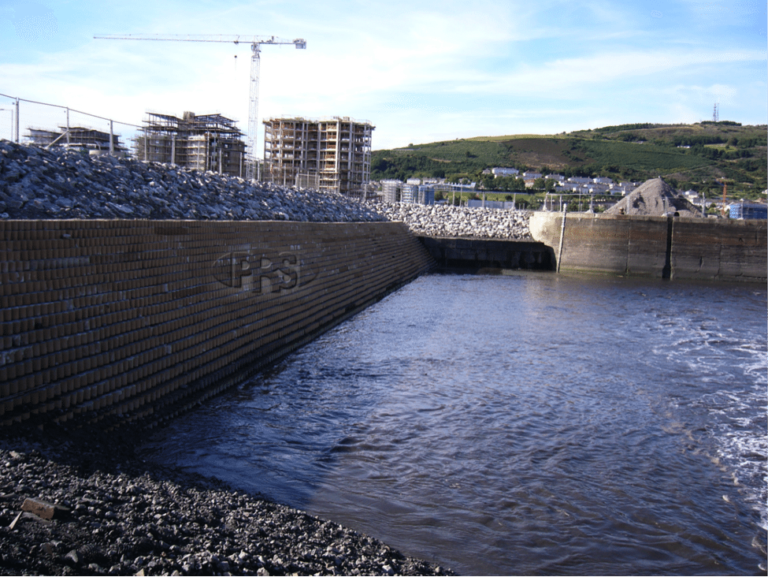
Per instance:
(654,198)
(60,184)
(458,221)
(119,519)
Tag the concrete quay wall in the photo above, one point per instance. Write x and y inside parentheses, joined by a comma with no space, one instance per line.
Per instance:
(660,247)
(106,322)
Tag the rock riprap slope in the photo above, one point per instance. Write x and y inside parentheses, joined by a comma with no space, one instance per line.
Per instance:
(456,221)
(52,184)
(62,184)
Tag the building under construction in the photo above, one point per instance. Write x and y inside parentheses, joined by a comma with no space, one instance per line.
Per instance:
(330,154)
(77,137)
(205,142)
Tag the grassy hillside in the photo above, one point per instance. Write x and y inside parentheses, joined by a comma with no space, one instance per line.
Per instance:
(696,156)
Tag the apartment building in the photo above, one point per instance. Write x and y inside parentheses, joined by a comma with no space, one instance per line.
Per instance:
(200,142)
(391,190)
(334,152)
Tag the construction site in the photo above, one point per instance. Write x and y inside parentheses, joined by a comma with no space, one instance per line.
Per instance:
(77,137)
(332,155)
(205,142)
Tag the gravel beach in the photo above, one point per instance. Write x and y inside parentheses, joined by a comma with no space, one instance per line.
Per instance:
(114,517)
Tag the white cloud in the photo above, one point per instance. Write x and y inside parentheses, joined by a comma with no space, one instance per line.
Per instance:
(580,74)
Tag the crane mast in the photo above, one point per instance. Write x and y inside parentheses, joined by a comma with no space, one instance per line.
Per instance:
(253,91)
(251,167)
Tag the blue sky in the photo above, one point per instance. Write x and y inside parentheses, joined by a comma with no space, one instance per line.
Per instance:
(419,70)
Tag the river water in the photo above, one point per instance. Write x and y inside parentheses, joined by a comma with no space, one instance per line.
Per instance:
(525,424)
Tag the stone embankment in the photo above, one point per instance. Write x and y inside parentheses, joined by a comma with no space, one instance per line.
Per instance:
(111,517)
(59,184)
(41,184)
(455,221)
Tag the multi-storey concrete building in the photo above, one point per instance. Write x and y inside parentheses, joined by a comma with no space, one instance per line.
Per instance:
(391,190)
(200,142)
(334,153)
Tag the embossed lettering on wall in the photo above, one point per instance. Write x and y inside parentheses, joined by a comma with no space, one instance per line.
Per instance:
(262,273)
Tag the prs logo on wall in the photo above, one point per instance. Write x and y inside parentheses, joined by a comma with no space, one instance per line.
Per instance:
(262,273)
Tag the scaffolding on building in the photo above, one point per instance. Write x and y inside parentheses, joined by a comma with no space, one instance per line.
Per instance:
(308,180)
(199,142)
(391,190)
(336,151)
(77,137)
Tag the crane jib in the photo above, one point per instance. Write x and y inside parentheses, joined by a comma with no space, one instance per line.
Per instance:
(253,98)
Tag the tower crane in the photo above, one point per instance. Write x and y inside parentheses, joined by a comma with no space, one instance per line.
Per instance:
(253,97)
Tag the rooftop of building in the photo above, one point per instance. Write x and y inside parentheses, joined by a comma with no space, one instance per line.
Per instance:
(317,120)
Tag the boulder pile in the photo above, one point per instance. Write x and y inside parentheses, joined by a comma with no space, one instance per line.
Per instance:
(96,511)
(458,221)
(60,184)
(654,198)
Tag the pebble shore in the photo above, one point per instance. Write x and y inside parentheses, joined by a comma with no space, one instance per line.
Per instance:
(116,518)
(61,184)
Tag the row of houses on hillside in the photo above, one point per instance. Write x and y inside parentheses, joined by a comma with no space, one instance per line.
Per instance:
(574,184)
(595,186)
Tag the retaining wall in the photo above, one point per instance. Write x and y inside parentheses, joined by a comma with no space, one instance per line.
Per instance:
(109,322)
(661,247)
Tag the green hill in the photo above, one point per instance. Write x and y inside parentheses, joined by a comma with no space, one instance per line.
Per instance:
(694,156)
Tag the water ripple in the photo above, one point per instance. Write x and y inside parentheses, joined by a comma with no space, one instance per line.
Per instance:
(534,424)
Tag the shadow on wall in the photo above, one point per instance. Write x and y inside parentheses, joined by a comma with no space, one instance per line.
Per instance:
(473,256)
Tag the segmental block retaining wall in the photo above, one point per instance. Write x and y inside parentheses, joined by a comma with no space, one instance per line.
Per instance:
(111,322)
